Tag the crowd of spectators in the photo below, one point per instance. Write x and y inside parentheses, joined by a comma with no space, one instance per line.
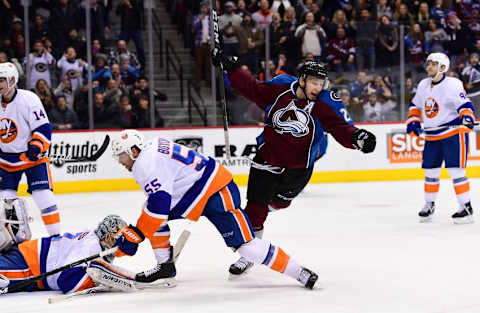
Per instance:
(58,66)
(358,40)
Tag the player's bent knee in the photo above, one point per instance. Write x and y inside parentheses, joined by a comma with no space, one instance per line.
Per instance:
(255,250)
(44,198)
(456,172)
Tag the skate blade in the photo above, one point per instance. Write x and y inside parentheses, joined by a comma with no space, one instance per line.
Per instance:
(463,220)
(426,219)
(233,277)
(159,284)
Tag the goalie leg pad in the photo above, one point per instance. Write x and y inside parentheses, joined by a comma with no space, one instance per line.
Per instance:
(16,209)
(112,276)
(4,281)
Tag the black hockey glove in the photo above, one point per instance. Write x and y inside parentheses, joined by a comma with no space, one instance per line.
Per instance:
(364,140)
(228,63)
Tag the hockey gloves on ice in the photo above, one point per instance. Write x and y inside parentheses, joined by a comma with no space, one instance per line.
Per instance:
(468,121)
(228,63)
(364,140)
(128,242)
(33,151)
(414,128)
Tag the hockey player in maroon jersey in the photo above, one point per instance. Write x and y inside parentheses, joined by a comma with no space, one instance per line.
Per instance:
(298,114)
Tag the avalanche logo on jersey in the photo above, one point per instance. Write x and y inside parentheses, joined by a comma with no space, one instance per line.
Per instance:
(8,130)
(431,107)
(291,120)
(71,74)
(41,67)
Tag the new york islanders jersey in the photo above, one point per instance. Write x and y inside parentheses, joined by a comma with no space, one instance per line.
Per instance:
(46,254)
(21,120)
(178,182)
(440,104)
(294,134)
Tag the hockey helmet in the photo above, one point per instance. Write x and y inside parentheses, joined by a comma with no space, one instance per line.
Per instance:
(109,229)
(441,59)
(126,140)
(9,71)
(318,70)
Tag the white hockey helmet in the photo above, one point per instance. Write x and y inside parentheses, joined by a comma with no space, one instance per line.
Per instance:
(441,59)
(126,140)
(9,71)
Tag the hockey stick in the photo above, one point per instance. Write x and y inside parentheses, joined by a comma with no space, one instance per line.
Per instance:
(180,243)
(88,291)
(177,249)
(447,127)
(223,102)
(27,282)
(68,158)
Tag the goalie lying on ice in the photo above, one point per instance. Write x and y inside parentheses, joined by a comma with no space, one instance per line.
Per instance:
(22,257)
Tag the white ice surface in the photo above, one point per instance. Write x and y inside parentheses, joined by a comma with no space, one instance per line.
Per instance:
(363,239)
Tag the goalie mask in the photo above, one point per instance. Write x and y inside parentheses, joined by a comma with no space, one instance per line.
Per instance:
(109,229)
(14,227)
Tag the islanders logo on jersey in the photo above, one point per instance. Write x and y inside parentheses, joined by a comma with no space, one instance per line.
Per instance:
(431,107)
(8,130)
(291,120)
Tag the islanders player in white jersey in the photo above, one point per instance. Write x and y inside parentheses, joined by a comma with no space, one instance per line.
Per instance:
(25,134)
(34,257)
(181,183)
(447,114)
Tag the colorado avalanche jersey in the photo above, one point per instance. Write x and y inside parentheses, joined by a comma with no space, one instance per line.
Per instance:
(294,134)
(40,68)
(22,119)
(46,254)
(440,104)
(70,69)
(178,182)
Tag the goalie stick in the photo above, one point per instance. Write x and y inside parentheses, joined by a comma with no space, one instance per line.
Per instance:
(177,249)
(28,281)
(67,158)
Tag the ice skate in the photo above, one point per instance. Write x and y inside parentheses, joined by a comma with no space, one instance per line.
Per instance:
(160,271)
(307,278)
(239,268)
(426,213)
(464,215)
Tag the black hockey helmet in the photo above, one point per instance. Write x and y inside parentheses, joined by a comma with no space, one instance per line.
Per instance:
(311,68)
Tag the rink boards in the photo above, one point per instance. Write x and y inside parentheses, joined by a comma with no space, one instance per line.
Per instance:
(397,157)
